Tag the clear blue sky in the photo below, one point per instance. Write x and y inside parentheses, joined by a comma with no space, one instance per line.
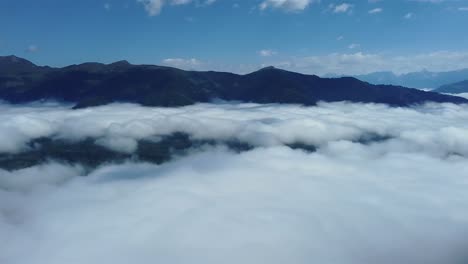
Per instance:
(303,35)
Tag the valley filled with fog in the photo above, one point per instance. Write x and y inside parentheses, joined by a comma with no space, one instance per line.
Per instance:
(236,183)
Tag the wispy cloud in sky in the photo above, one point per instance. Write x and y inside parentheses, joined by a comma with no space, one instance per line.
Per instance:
(409,15)
(289,5)
(375,11)
(267,53)
(341,8)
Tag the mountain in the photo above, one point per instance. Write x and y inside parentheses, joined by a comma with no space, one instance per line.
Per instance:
(92,84)
(91,155)
(15,65)
(420,80)
(454,88)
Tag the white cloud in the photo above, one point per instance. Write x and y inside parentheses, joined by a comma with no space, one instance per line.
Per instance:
(32,48)
(180,2)
(182,63)
(463,9)
(154,7)
(354,46)
(431,1)
(189,19)
(409,15)
(267,53)
(435,1)
(290,5)
(399,200)
(107,6)
(119,126)
(119,143)
(464,95)
(342,8)
(375,11)
(340,38)
(28,179)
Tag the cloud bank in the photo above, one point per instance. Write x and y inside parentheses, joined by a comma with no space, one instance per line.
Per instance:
(187,64)
(357,199)
(438,129)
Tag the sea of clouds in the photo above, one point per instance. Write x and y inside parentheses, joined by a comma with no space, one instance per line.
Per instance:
(386,185)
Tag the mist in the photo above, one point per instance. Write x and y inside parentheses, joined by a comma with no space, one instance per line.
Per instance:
(384,185)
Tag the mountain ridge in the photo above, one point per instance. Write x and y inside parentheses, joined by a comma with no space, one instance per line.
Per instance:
(454,88)
(422,80)
(92,84)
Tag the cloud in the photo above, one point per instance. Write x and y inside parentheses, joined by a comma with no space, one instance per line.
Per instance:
(289,5)
(28,180)
(267,53)
(431,1)
(464,95)
(32,48)
(107,6)
(409,15)
(463,9)
(119,126)
(119,143)
(180,2)
(398,200)
(354,46)
(341,8)
(154,7)
(375,11)
(181,63)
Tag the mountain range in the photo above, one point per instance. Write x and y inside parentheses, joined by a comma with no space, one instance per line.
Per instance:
(92,84)
(454,88)
(421,80)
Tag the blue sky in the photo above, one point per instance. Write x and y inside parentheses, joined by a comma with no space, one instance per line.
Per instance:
(308,36)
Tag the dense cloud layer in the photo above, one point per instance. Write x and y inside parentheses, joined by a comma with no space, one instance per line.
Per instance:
(438,129)
(386,185)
